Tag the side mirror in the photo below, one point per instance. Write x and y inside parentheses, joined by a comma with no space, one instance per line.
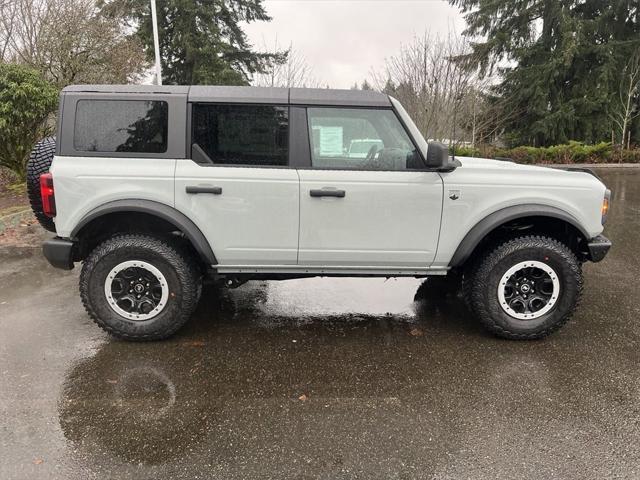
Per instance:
(437,155)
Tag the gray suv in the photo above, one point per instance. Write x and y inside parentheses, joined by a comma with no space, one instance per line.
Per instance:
(155,188)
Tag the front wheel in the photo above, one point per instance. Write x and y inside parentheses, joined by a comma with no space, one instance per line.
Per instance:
(139,287)
(526,288)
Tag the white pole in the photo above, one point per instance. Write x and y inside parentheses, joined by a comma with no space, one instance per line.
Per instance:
(156,43)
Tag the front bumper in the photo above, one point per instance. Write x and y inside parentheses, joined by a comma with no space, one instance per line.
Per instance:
(598,248)
(59,252)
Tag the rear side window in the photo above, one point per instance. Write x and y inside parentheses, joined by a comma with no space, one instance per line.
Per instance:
(134,126)
(242,134)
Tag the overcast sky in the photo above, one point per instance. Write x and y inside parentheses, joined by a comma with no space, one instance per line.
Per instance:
(344,40)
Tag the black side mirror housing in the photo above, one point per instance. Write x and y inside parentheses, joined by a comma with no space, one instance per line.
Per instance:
(437,155)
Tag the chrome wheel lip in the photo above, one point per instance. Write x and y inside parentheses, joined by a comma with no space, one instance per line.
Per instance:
(151,269)
(504,304)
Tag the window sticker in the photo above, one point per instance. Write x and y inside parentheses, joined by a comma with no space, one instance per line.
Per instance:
(331,141)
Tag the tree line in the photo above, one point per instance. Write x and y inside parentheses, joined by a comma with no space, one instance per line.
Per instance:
(536,72)
(570,68)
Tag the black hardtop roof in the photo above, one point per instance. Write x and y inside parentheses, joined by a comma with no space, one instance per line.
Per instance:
(255,95)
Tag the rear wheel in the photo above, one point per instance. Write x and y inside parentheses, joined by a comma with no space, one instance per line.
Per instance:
(139,287)
(526,288)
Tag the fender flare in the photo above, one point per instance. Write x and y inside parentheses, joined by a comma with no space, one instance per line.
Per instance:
(500,217)
(157,209)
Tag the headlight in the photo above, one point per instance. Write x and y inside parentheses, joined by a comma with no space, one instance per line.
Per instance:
(605,205)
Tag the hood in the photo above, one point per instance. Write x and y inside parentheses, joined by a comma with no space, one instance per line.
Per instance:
(487,163)
(491,164)
(532,173)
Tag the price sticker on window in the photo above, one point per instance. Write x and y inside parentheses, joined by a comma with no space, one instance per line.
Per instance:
(331,141)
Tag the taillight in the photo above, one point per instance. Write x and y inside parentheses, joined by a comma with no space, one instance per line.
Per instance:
(48,195)
(605,205)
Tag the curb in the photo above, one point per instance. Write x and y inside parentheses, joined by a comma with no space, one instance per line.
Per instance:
(14,219)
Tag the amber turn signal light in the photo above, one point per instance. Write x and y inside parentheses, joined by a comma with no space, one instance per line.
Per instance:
(605,205)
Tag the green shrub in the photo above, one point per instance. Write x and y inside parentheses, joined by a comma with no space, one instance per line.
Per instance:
(628,156)
(572,152)
(464,151)
(26,100)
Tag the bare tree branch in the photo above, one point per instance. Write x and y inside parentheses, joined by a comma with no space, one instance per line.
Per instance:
(69,41)
(295,72)
(626,109)
(447,101)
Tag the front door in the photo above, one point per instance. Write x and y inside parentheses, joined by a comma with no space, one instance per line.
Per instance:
(367,201)
(238,188)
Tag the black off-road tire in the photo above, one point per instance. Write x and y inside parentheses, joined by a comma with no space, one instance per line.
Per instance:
(481,285)
(468,277)
(180,270)
(39,162)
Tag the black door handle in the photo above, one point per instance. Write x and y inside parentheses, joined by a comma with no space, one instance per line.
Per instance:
(327,193)
(202,189)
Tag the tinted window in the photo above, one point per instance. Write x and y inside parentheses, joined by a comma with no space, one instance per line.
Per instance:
(136,126)
(358,138)
(242,134)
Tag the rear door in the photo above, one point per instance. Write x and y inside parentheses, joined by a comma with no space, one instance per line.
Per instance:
(238,187)
(378,209)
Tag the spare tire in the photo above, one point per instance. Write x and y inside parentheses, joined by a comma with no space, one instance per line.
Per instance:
(39,163)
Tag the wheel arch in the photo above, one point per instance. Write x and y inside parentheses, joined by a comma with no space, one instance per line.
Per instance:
(495,221)
(149,209)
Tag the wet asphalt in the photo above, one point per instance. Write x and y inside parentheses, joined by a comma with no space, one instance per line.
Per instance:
(324,378)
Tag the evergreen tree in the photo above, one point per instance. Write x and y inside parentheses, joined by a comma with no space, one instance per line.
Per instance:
(366,85)
(201,41)
(560,62)
(389,87)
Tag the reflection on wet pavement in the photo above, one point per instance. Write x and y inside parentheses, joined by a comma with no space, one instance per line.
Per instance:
(326,378)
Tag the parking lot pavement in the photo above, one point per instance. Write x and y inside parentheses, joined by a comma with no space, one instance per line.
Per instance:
(323,378)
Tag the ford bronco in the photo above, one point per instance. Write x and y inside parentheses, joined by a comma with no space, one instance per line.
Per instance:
(157,188)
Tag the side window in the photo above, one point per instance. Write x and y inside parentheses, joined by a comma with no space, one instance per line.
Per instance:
(136,126)
(242,134)
(358,138)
